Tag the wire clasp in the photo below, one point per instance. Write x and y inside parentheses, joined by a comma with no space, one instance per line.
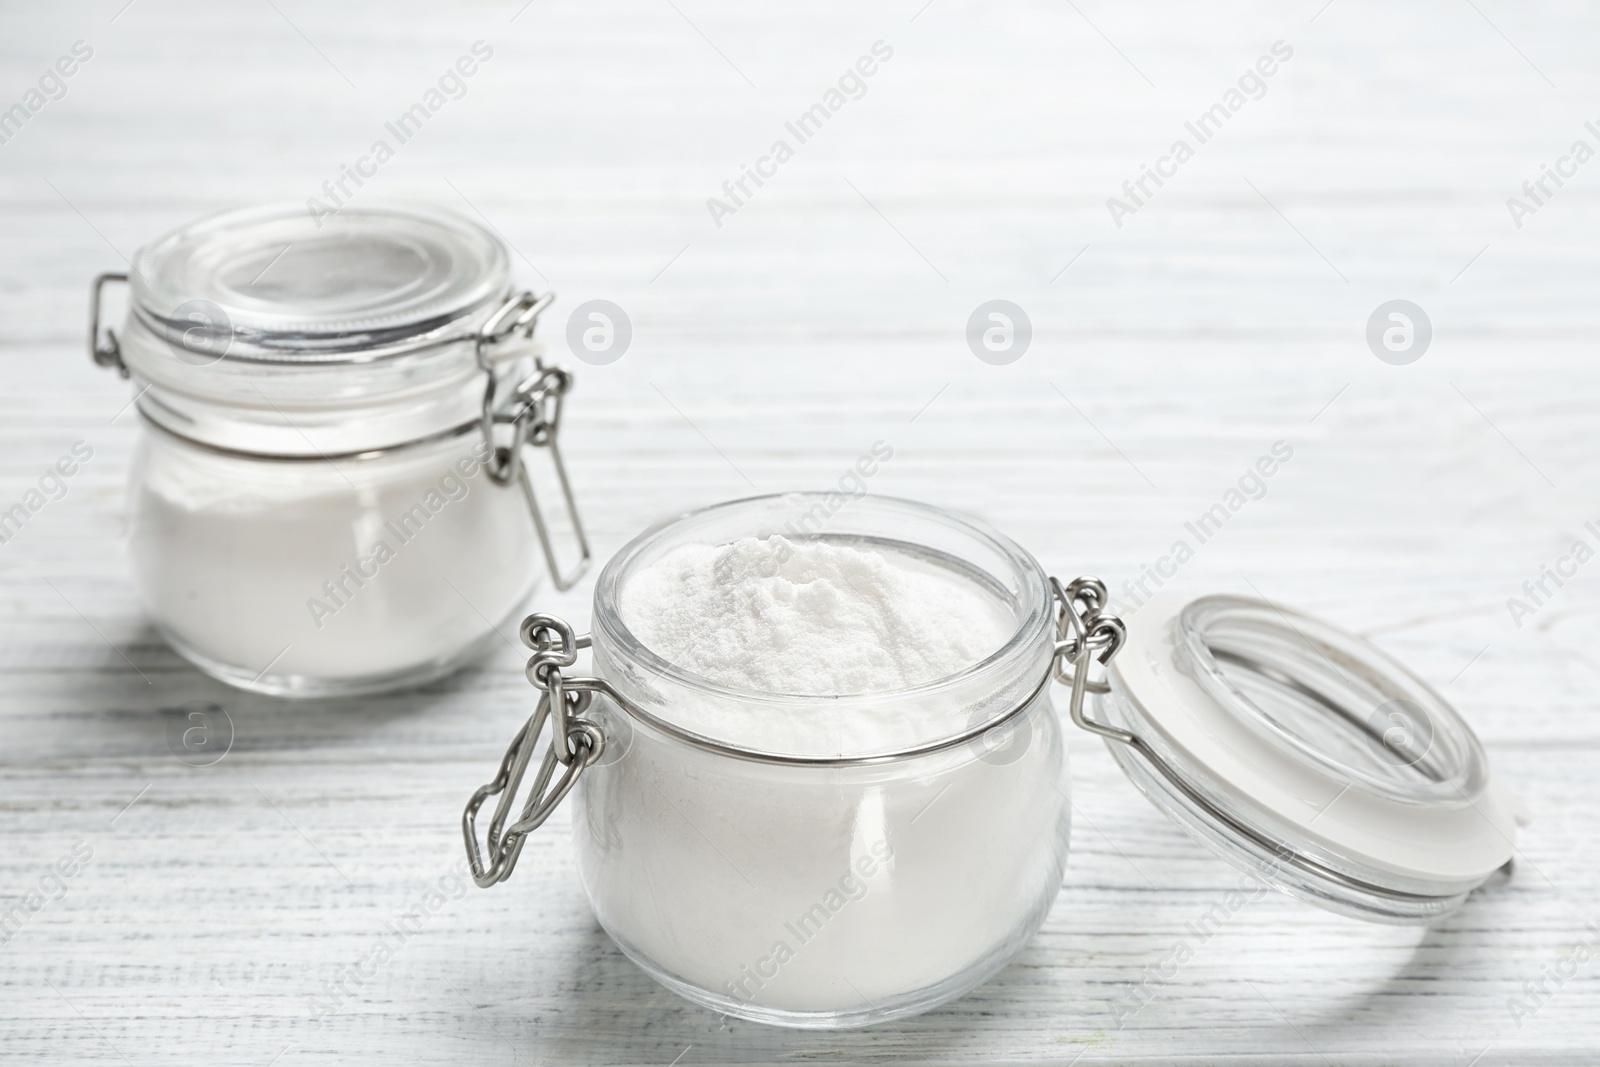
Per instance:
(1086,631)
(575,743)
(532,411)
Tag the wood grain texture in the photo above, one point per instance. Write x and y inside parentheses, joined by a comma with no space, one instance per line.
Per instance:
(827,314)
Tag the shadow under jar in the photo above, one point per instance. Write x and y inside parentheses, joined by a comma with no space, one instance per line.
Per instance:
(751,853)
(336,417)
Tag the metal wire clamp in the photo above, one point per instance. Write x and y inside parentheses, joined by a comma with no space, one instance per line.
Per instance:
(533,412)
(106,353)
(575,743)
(1085,630)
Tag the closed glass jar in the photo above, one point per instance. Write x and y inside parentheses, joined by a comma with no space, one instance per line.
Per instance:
(810,882)
(335,412)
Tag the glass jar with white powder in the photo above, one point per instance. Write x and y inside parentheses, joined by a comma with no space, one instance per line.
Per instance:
(820,781)
(330,494)
(780,819)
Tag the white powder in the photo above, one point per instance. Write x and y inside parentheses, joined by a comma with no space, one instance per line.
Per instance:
(299,576)
(813,618)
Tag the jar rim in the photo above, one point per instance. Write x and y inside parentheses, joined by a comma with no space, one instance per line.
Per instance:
(1034,630)
(1329,699)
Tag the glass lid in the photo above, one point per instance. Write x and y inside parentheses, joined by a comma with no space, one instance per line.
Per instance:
(1306,756)
(277,278)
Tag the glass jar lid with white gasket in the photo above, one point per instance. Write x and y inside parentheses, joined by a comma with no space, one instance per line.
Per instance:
(1307,755)
(317,390)
(298,289)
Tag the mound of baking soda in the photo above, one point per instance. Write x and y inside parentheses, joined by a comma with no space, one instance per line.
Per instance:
(812,618)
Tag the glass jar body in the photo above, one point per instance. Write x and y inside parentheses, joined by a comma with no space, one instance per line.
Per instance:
(322,577)
(817,896)
(836,860)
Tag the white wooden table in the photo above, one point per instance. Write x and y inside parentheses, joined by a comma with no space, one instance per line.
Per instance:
(827,313)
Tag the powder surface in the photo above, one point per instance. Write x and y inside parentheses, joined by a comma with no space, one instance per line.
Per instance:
(811,618)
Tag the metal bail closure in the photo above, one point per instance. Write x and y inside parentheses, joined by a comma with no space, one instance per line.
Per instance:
(1300,753)
(1084,631)
(533,413)
(575,743)
(107,352)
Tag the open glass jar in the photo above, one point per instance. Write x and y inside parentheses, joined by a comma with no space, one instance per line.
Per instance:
(799,883)
(817,882)
(337,415)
